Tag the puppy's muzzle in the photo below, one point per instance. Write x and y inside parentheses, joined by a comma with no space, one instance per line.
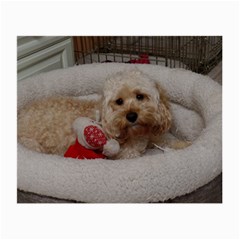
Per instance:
(132,117)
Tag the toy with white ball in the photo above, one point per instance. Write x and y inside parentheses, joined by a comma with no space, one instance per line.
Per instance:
(91,141)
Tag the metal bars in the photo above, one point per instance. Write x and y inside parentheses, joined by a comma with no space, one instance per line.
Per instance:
(197,53)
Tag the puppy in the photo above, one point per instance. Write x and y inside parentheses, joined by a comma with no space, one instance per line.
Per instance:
(46,125)
(134,111)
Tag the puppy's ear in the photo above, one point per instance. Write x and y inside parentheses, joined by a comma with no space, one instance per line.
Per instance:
(164,115)
(111,130)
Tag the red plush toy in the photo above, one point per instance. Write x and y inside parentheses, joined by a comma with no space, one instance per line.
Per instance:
(91,142)
(143,59)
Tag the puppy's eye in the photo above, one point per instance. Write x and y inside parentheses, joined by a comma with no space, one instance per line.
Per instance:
(119,101)
(140,97)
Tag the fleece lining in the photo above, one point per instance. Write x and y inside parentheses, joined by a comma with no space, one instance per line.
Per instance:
(156,176)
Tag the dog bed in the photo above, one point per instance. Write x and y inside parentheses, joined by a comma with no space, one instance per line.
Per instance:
(156,176)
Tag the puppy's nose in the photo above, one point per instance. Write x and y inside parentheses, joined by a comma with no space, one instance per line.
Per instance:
(132,117)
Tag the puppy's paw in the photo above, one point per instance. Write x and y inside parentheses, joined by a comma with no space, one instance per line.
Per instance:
(180,144)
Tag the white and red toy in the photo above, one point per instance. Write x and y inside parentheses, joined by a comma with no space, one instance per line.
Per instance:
(91,142)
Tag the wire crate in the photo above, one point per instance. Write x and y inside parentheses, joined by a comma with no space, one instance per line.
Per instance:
(197,53)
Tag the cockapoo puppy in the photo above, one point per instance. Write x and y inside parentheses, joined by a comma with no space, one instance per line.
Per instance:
(134,111)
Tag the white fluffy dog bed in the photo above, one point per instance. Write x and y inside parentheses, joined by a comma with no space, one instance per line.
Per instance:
(154,177)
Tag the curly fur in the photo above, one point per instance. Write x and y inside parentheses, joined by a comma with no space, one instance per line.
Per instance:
(46,125)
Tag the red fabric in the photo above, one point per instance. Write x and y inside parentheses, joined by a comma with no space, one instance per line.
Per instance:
(94,136)
(143,59)
(78,151)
